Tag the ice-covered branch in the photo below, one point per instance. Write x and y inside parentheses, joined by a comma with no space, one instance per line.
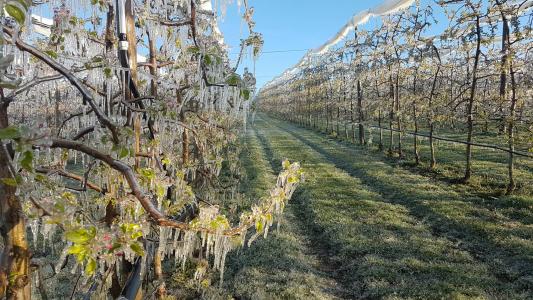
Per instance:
(75,81)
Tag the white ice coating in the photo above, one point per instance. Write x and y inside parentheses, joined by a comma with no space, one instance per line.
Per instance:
(206,5)
(42,25)
(59,95)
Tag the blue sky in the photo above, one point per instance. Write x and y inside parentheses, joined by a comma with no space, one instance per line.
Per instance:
(288,25)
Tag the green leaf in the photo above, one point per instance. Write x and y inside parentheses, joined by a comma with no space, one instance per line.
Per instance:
(292,179)
(81,236)
(124,152)
(108,72)
(136,235)
(90,267)
(160,190)
(207,59)
(259,226)
(26,161)
(147,173)
(51,53)
(97,59)
(9,181)
(17,11)
(193,50)
(129,227)
(60,207)
(80,251)
(166,161)
(115,247)
(68,196)
(245,94)
(40,178)
(10,132)
(136,247)
(286,164)
(233,79)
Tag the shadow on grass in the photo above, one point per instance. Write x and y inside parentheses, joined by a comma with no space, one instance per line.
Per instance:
(278,267)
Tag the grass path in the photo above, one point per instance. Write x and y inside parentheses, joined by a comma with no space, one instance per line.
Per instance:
(281,266)
(384,232)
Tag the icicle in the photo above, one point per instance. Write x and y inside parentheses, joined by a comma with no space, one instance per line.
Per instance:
(62,259)
(34,226)
(144,262)
(163,237)
(75,268)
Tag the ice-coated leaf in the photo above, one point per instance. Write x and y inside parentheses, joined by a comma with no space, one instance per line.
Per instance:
(16,10)
(10,132)
(136,247)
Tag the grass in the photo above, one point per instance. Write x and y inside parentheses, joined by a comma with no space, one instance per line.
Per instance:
(396,234)
(489,167)
(281,266)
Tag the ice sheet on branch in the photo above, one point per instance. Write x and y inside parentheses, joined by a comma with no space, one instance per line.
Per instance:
(42,25)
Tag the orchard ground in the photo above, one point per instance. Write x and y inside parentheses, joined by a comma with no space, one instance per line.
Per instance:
(367,226)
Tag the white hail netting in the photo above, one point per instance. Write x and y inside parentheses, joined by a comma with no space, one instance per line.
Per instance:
(388,7)
(385,8)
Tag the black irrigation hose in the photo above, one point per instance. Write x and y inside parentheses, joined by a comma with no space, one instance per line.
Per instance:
(134,282)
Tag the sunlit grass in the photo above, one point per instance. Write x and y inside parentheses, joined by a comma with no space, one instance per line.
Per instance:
(281,266)
(394,233)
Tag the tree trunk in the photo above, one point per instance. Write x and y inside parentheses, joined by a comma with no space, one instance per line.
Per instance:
(352,118)
(161,292)
(360,113)
(507,64)
(510,131)
(153,64)
(470,107)
(398,114)
(15,259)
(433,160)
(309,115)
(415,143)
(503,71)
(338,122)
(415,118)
(391,115)
(109,37)
(327,113)
(380,146)
(346,137)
